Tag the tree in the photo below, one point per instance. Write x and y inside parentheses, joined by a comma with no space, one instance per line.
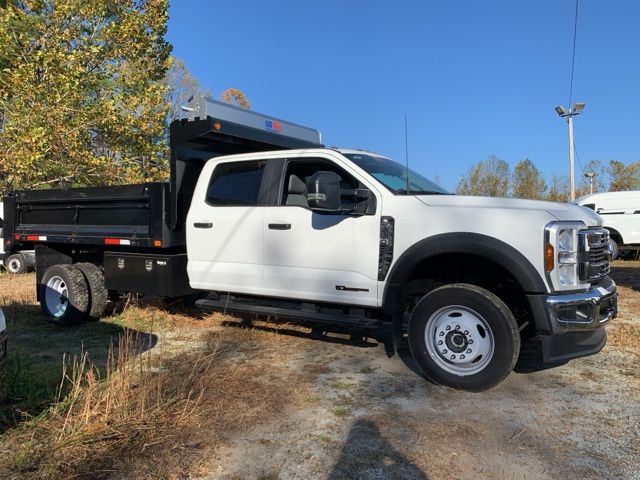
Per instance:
(82,91)
(559,189)
(488,177)
(623,177)
(528,181)
(235,97)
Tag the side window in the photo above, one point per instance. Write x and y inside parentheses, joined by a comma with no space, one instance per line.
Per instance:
(295,180)
(236,184)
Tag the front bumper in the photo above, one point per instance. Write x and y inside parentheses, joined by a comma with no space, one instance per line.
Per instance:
(572,325)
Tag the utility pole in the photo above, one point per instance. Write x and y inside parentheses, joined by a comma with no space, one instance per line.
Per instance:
(569,114)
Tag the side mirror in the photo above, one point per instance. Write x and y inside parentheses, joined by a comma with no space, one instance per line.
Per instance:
(323,192)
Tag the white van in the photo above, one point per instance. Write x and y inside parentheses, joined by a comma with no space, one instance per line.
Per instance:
(620,212)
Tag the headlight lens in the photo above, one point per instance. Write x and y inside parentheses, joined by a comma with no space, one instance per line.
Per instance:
(564,237)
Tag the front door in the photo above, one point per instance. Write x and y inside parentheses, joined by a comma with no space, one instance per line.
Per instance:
(315,256)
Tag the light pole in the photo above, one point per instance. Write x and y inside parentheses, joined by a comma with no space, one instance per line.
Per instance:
(590,176)
(569,114)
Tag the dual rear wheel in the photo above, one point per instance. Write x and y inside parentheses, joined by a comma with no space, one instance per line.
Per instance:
(72,293)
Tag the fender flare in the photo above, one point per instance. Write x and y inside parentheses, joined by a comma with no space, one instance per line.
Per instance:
(476,244)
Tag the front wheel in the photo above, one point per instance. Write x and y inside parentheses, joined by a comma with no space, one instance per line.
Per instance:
(464,337)
(614,250)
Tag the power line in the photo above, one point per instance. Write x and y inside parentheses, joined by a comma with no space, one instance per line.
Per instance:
(573,55)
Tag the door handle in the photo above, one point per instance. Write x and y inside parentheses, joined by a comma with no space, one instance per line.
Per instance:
(280,226)
(203,224)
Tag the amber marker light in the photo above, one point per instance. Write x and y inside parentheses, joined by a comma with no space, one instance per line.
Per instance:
(217,126)
(157,243)
(548,257)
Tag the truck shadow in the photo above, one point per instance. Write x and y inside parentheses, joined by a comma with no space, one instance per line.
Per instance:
(39,351)
(626,274)
(366,454)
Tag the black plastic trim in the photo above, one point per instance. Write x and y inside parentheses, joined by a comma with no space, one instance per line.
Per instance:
(463,243)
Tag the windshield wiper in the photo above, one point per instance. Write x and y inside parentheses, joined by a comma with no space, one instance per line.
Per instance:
(404,191)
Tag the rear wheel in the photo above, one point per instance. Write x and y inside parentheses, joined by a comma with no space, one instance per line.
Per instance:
(64,294)
(16,263)
(98,294)
(464,337)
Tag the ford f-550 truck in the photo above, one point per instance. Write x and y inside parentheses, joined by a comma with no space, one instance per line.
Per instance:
(267,221)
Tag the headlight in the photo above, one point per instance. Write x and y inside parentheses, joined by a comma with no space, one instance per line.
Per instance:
(561,255)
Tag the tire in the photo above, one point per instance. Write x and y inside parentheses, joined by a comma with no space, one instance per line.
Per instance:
(464,337)
(98,294)
(64,294)
(614,250)
(16,264)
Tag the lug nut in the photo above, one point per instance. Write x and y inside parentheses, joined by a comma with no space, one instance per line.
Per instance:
(470,341)
(457,327)
(466,332)
(468,350)
(448,327)
(441,333)
(440,342)
(453,357)
(444,351)
(462,357)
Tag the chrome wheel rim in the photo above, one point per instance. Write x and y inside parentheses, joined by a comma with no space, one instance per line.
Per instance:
(459,340)
(56,296)
(14,265)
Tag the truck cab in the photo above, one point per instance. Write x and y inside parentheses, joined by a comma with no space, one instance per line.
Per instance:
(620,212)
(262,219)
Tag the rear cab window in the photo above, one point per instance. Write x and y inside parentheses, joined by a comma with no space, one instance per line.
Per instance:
(236,184)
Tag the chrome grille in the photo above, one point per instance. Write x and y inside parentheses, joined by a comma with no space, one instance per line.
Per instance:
(593,254)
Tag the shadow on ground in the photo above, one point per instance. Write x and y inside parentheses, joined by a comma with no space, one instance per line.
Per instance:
(366,454)
(37,352)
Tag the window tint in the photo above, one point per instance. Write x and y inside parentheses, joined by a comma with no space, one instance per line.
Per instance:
(303,169)
(236,184)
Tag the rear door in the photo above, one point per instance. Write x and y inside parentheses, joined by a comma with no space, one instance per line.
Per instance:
(319,257)
(225,228)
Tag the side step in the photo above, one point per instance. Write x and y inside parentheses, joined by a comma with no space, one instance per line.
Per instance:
(306,312)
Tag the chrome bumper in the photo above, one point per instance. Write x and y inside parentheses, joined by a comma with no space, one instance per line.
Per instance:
(583,311)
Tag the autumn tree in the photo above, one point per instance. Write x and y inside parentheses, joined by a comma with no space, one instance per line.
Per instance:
(528,182)
(488,177)
(82,91)
(623,177)
(558,190)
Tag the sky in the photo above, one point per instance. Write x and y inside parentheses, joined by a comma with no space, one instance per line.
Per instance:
(475,78)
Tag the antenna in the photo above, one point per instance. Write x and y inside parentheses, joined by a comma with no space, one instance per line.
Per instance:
(406,149)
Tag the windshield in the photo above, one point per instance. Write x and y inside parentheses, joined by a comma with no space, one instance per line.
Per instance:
(394,176)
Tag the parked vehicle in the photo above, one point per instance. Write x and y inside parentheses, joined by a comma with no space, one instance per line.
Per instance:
(3,338)
(266,221)
(620,212)
(14,260)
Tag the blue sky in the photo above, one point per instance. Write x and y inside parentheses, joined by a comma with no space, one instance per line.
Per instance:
(475,78)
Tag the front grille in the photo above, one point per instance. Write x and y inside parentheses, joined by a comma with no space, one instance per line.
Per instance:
(593,255)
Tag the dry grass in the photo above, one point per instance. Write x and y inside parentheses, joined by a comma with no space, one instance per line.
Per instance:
(147,408)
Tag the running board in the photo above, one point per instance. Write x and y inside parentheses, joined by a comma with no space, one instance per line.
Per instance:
(290,311)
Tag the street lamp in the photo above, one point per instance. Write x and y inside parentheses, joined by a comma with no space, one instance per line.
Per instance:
(569,114)
(590,176)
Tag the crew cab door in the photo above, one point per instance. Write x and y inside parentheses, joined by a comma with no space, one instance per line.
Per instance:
(225,228)
(319,256)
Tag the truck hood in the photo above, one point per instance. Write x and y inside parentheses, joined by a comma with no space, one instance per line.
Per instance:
(561,211)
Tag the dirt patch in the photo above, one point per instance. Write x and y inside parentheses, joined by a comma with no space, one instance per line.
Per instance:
(278,401)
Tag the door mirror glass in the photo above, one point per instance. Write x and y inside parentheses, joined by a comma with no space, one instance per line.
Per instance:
(323,192)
